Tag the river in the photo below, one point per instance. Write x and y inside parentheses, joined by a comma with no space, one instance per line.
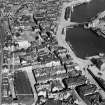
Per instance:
(85,42)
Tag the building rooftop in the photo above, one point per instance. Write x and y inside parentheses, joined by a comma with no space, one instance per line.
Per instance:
(57,85)
(41,87)
(74,81)
(86,89)
(53,102)
(92,98)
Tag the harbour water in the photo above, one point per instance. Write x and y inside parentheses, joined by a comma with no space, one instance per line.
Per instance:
(86,11)
(85,42)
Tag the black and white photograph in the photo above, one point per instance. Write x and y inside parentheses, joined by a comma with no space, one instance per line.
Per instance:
(52,52)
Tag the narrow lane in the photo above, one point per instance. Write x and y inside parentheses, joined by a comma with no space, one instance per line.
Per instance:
(2,34)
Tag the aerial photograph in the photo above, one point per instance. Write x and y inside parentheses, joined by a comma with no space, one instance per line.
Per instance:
(52,52)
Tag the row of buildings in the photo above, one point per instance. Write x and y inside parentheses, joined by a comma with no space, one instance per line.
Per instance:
(53,80)
(33,44)
(48,13)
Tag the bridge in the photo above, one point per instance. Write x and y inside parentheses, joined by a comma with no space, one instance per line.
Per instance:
(63,24)
(78,24)
(67,23)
